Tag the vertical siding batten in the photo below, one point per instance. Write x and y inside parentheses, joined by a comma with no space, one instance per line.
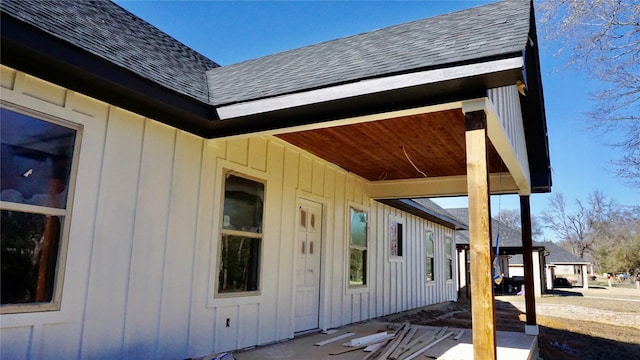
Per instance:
(104,311)
(142,304)
(291,170)
(201,318)
(268,309)
(177,292)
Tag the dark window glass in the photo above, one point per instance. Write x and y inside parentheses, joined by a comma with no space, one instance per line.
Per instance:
(241,237)
(449,252)
(239,264)
(30,244)
(243,204)
(36,166)
(358,247)
(429,257)
(36,160)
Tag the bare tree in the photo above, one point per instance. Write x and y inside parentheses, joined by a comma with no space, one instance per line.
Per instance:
(573,228)
(602,39)
(599,229)
(511,218)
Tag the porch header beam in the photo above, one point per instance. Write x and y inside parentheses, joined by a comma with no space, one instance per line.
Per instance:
(506,131)
(350,120)
(437,187)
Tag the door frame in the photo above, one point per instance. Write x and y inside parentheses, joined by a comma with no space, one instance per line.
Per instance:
(325,246)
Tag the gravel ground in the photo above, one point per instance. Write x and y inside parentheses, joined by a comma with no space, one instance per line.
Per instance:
(575,324)
(613,306)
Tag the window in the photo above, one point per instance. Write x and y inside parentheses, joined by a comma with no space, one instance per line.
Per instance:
(448,244)
(241,235)
(357,247)
(395,238)
(429,249)
(37,162)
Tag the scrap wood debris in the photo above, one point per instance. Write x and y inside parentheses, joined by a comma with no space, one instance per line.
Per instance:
(405,343)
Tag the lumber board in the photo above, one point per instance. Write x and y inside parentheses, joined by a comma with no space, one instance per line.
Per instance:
(398,350)
(427,336)
(425,347)
(356,348)
(370,339)
(335,338)
(402,332)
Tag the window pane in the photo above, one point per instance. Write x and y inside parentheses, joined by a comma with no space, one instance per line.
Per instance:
(429,245)
(29,256)
(449,269)
(36,159)
(240,258)
(243,199)
(396,238)
(430,269)
(358,228)
(358,267)
(448,247)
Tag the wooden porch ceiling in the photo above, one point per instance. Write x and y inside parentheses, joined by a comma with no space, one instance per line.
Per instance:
(435,143)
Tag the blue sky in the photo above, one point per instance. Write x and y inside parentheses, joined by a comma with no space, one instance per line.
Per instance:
(232,31)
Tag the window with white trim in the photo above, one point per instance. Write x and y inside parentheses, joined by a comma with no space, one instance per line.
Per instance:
(38,160)
(358,225)
(396,238)
(241,236)
(430,256)
(448,243)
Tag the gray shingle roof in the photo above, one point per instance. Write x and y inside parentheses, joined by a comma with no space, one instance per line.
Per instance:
(465,36)
(107,30)
(558,255)
(509,237)
(438,211)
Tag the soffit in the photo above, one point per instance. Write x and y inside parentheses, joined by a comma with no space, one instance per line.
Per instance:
(434,142)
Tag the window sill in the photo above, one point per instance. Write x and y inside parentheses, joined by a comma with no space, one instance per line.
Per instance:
(244,298)
(357,289)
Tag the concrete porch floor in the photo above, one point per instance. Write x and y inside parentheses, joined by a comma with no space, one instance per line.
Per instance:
(510,345)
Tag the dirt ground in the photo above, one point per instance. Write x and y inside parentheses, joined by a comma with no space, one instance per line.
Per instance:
(598,323)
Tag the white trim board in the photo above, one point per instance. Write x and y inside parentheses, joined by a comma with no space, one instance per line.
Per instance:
(365,87)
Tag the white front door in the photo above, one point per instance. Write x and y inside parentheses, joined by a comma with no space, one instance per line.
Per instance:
(307,250)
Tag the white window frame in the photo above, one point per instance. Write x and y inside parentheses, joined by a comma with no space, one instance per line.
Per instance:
(354,289)
(448,258)
(427,255)
(66,214)
(398,221)
(224,172)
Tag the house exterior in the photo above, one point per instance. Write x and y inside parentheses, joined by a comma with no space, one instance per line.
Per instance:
(559,263)
(510,251)
(157,205)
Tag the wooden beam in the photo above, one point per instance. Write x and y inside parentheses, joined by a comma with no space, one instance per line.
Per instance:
(501,183)
(482,306)
(527,256)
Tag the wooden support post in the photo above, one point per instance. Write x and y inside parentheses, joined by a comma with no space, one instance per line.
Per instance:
(482,305)
(527,256)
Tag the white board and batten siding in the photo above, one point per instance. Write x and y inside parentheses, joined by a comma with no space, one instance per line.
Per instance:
(143,243)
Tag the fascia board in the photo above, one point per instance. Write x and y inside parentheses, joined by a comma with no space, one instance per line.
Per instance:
(367,87)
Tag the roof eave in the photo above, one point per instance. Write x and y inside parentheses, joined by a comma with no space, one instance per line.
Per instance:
(420,211)
(360,98)
(33,51)
(534,116)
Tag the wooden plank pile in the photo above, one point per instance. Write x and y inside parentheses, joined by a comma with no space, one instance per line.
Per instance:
(406,343)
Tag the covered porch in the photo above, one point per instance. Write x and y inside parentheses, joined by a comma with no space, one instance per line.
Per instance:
(417,125)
